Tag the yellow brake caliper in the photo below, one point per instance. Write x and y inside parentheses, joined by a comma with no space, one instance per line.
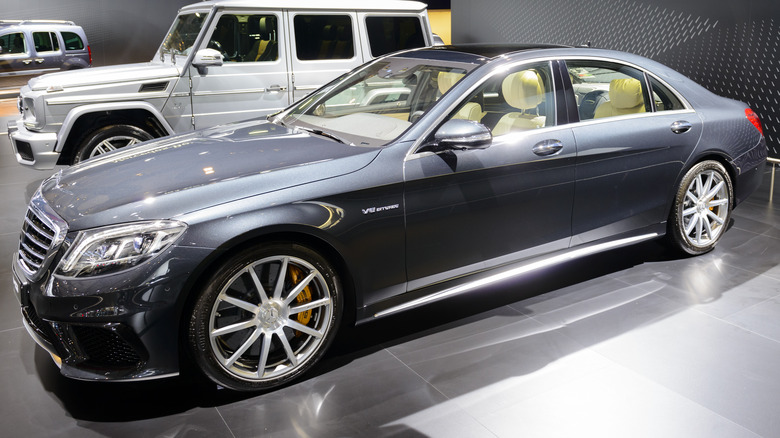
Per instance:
(296,275)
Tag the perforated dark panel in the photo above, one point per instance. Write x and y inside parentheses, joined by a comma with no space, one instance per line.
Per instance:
(729,47)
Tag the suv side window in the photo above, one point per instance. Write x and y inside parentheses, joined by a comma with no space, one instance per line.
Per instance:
(45,42)
(390,34)
(605,89)
(246,38)
(72,41)
(13,43)
(323,37)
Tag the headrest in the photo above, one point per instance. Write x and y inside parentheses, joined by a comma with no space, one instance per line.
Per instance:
(625,93)
(447,79)
(523,90)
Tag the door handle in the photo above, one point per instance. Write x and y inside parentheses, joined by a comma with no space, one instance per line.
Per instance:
(27,61)
(547,147)
(39,60)
(275,89)
(681,126)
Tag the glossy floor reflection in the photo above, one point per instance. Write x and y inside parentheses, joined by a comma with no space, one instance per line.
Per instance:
(634,343)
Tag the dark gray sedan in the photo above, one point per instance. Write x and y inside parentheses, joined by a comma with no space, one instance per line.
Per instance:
(416,177)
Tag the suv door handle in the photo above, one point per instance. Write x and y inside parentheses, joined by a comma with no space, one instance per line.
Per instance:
(275,88)
(547,147)
(39,60)
(681,126)
(27,61)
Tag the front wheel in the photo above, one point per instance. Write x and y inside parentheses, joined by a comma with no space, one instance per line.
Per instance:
(266,316)
(702,208)
(110,138)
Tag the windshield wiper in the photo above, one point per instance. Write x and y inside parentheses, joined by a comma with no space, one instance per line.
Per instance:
(325,134)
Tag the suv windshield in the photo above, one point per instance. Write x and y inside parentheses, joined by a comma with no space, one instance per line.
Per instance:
(183,34)
(376,104)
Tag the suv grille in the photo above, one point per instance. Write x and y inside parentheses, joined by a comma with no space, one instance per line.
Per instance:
(35,243)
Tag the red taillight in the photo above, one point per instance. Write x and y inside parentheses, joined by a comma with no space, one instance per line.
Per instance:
(89,49)
(754,120)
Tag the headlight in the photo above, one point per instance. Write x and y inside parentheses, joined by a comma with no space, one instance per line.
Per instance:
(111,249)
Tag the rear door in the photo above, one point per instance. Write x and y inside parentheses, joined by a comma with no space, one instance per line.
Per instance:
(629,151)
(252,82)
(323,45)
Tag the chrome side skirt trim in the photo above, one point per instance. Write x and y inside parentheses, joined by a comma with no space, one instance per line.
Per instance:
(517,271)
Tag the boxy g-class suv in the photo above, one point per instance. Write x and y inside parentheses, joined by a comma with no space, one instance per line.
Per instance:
(221,61)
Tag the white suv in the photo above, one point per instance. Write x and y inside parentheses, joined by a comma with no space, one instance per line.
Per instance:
(221,61)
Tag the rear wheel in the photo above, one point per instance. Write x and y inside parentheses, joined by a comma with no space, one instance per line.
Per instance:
(702,208)
(265,317)
(110,138)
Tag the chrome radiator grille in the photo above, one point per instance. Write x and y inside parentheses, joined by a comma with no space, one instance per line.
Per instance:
(42,233)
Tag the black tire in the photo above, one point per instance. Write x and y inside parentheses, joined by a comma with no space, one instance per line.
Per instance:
(268,325)
(702,208)
(109,138)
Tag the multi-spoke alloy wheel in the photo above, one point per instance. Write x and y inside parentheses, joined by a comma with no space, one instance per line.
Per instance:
(266,317)
(108,139)
(702,208)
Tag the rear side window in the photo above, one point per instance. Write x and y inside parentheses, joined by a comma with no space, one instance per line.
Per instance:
(323,37)
(13,43)
(664,98)
(45,42)
(605,89)
(390,34)
(72,41)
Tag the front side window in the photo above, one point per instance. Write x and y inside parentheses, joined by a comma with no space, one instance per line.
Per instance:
(390,34)
(72,41)
(376,104)
(323,37)
(516,100)
(13,43)
(45,42)
(246,38)
(606,89)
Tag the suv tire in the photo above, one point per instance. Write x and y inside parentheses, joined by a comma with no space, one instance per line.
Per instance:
(110,138)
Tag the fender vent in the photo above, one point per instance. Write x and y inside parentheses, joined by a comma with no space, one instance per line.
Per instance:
(153,87)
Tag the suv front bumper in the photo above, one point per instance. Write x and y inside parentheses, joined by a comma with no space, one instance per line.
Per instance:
(34,149)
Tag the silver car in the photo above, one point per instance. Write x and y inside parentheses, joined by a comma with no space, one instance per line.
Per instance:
(32,47)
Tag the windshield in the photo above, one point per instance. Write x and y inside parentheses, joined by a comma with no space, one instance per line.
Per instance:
(183,34)
(373,106)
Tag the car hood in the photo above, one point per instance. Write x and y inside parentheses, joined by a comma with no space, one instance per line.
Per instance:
(105,75)
(174,176)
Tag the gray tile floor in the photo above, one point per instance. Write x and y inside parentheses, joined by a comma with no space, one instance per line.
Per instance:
(633,343)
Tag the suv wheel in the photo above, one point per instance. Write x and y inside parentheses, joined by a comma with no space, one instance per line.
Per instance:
(108,139)
(265,317)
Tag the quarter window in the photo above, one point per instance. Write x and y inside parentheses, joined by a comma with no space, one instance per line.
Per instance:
(72,41)
(663,97)
(605,89)
(13,43)
(45,42)
(246,38)
(390,34)
(323,37)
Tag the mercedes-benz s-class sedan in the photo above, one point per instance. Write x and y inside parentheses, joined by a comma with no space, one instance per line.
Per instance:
(419,176)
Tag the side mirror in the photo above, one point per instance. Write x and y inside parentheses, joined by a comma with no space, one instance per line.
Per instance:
(206,58)
(463,134)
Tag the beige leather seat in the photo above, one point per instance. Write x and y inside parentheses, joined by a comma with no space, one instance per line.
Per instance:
(471,110)
(625,97)
(522,90)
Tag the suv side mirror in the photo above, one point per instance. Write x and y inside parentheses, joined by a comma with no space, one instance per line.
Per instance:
(206,58)
(463,134)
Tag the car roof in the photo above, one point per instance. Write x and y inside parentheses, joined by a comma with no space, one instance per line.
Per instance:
(490,51)
(373,5)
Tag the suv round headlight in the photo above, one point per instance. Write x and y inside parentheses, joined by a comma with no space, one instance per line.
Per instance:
(110,249)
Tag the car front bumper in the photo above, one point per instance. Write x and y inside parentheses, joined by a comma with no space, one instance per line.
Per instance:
(34,149)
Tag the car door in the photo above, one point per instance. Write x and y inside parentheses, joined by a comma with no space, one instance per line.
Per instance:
(630,148)
(473,209)
(252,82)
(323,46)
(16,61)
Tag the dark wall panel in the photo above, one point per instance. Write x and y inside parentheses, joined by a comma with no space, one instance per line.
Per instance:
(119,31)
(728,46)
